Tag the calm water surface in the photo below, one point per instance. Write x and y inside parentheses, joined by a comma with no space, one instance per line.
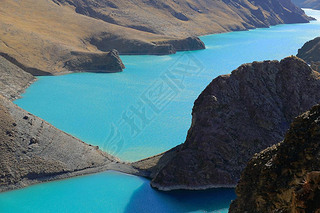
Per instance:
(110,192)
(141,112)
(135,114)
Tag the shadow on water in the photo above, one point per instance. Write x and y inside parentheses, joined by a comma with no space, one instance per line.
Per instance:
(145,200)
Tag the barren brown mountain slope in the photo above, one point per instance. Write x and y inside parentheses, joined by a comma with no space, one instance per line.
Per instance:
(60,35)
(314,4)
(189,17)
(310,52)
(13,80)
(40,34)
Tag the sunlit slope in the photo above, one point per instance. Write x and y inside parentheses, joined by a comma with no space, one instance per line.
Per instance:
(189,17)
(47,34)
(41,34)
(314,4)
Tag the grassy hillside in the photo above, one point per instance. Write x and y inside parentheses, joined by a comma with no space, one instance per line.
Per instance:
(44,36)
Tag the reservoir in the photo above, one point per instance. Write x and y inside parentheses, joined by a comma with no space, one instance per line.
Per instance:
(140,112)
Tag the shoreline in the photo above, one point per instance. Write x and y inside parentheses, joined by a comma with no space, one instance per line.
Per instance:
(115,166)
(193,45)
(124,167)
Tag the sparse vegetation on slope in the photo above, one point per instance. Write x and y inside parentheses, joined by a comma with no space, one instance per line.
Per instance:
(314,4)
(42,35)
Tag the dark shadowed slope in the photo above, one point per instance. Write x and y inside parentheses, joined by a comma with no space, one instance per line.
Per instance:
(286,176)
(310,52)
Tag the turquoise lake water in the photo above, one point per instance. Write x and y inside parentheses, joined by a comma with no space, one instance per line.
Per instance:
(98,108)
(142,111)
(110,192)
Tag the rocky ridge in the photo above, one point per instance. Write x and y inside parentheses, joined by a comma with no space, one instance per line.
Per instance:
(310,52)
(286,176)
(236,116)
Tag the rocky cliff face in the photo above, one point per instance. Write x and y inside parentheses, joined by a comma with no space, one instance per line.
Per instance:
(236,116)
(314,4)
(286,176)
(310,52)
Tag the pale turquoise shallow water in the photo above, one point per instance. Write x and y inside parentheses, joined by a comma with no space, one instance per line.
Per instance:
(90,106)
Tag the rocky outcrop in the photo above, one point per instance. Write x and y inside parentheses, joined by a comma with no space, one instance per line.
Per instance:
(95,62)
(104,42)
(13,80)
(286,176)
(236,116)
(314,4)
(162,47)
(190,43)
(310,52)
